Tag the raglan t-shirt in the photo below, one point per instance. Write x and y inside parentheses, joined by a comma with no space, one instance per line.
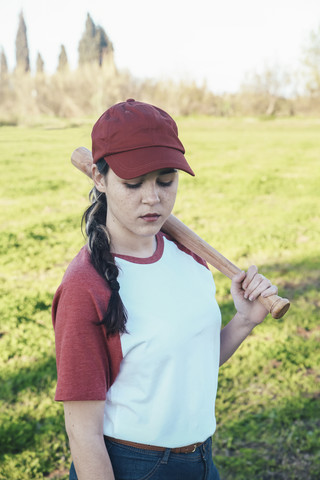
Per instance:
(158,380)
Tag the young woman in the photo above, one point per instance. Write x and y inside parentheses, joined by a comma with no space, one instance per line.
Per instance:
(137,326)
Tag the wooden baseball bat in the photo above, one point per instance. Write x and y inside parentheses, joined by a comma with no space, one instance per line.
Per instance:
(277,306)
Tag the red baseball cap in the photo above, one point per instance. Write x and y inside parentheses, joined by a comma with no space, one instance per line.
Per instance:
(136,138)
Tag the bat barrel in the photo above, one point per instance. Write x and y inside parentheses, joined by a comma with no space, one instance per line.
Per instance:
(82,159)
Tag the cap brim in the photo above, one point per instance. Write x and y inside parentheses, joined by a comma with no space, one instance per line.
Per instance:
(134,163)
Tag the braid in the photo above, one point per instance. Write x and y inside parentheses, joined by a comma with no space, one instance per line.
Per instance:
(94,219)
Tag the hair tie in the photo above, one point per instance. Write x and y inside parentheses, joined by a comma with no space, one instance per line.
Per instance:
(114,285)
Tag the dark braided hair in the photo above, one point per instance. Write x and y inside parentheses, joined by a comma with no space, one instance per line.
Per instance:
(94,220)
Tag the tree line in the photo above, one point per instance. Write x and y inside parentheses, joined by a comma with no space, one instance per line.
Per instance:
(94,47)
(68,94)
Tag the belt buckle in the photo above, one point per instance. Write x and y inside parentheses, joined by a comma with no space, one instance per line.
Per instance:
(194,448)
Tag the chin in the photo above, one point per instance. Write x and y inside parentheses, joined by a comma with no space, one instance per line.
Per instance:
(151,231)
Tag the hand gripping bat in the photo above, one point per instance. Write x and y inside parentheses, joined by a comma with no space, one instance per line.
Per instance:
(277,306)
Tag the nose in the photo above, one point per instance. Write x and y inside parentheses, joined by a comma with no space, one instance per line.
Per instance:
(150,193)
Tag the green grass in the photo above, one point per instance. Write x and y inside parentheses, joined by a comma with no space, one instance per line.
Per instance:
(255,198)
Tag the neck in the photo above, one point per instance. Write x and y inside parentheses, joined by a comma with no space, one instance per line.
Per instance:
(144,248)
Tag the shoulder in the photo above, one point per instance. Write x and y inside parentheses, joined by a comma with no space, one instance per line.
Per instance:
(82,276)
(82,288)
(184,249)
(81,269)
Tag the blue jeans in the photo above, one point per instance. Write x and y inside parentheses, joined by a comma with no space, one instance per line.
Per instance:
(130,463)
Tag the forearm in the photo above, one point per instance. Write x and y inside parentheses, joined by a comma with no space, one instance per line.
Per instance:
(232,335)
(91,458)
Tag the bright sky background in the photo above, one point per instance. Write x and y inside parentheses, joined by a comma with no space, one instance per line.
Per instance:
(214,40)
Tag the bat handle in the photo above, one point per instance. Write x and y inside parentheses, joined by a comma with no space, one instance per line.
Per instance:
(277,306)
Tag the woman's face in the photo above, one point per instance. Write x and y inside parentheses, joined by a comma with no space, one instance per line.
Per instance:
(137,208)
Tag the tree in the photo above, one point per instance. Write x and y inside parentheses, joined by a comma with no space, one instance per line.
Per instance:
(104,46)
(63,63)
(22,49)
(266,92)
(311,62)
(94,44)
(87,46)
(40,64)
(3,64)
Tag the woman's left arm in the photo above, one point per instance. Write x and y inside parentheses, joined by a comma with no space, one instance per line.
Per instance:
(245,289)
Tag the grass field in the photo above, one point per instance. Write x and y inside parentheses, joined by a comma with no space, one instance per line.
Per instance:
(256,199)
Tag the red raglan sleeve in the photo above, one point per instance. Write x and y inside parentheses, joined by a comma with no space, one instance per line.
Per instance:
(87,362)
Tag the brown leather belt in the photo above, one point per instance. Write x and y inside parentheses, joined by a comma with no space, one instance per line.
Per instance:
(188,449)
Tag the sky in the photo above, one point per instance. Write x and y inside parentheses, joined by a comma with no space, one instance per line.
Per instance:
(212,41)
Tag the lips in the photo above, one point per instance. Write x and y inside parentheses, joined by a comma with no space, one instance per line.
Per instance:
(150,217)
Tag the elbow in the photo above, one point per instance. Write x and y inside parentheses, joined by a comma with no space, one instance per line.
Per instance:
(83,420)
(79,434)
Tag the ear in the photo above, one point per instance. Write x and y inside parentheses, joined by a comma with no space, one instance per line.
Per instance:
(99,179)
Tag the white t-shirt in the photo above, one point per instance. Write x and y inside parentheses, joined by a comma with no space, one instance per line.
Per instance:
(165,391)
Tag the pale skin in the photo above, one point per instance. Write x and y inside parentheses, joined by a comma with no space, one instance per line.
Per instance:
(136,211)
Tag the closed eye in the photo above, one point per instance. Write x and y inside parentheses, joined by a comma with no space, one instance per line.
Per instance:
(138,185)
(164,184)
(133,185)
(164,179)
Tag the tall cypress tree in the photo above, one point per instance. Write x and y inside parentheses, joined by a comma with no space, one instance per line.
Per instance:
(103,44)
(63,63)
(94,44)
(40,64)
(3,64)
(86,46)
(22,49)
